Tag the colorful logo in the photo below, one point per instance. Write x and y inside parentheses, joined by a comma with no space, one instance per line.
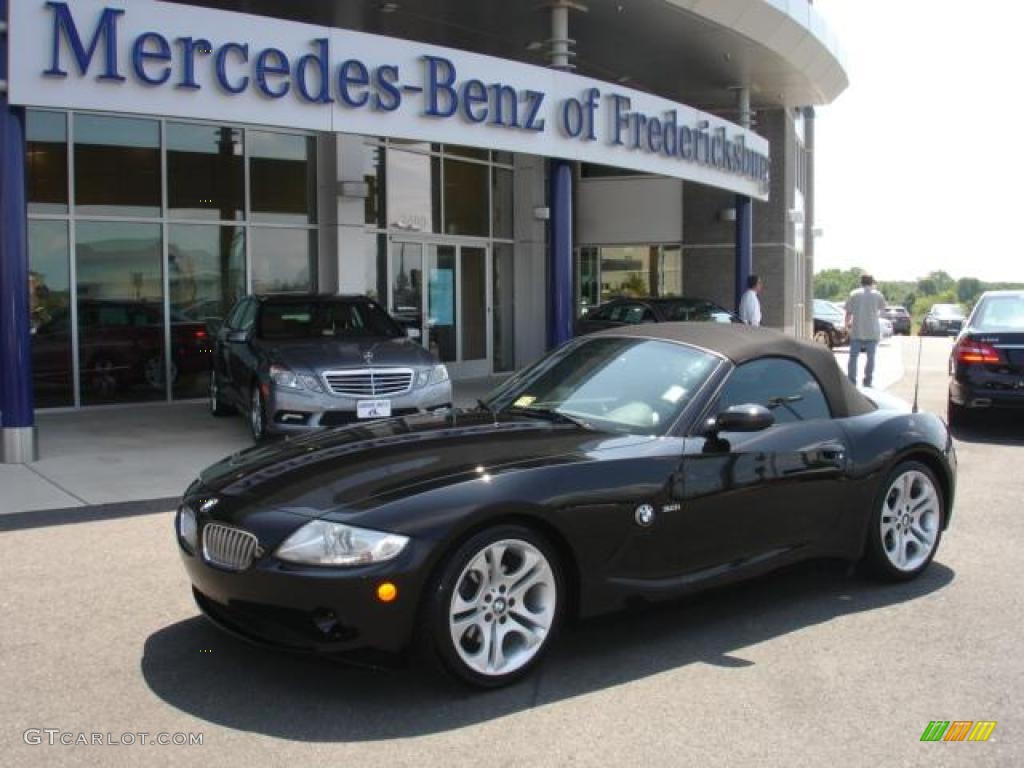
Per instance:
(958,730)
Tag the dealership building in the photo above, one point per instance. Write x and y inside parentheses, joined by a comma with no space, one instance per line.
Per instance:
(488,171)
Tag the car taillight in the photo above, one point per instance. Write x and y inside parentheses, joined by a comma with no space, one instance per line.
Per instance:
(968,351)
(201,335)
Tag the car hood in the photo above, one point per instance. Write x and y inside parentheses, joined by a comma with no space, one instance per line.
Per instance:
(328,353)
(355,467)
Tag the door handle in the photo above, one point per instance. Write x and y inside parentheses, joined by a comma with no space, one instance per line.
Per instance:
(831,454)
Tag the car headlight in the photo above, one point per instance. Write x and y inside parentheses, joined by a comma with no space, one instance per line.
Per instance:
(289,379)
(430,376)
(188,528)
(324,543)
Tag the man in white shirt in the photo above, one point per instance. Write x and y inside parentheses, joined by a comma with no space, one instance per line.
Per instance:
(862,308)
(750,304)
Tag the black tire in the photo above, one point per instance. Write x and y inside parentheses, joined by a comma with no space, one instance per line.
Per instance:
(217,406)
(436,641)
(257,426)
(877,561)
(957,417)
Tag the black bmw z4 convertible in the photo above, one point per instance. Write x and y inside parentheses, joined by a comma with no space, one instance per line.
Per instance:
(634,464)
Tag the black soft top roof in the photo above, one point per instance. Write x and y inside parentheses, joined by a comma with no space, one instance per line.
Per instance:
(740,343)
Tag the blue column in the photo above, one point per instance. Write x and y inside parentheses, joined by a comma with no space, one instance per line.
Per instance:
(560,311)
(16,407)
(744,245)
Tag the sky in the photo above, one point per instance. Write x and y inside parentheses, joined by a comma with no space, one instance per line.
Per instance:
(919,162)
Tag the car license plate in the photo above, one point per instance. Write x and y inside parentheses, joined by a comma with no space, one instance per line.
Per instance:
(373,409)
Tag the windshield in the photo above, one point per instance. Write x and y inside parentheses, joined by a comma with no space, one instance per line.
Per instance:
(633,385)
(947,310)
(1000,313)
(824,308)
(293,320)
(694,310)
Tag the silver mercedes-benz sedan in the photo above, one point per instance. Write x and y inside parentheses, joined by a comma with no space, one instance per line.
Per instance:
(297,362)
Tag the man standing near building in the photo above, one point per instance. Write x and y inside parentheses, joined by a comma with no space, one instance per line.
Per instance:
(750,304)
(862,308)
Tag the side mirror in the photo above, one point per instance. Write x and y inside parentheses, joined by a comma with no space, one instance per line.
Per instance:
(741,418)
(413,333)
(238,337)
(213,325)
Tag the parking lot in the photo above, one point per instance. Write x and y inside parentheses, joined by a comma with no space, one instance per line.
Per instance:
(811,666)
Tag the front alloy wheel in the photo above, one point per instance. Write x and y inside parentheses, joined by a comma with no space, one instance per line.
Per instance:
(823,337)
(497,605)
(908,523)
(257,414)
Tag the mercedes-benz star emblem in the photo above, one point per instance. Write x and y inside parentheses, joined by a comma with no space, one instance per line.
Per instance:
(368,357)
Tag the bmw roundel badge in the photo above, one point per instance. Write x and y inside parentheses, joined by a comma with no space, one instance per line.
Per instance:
(644,515)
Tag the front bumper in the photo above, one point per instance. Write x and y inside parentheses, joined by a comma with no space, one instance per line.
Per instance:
(294,410)
(311,609)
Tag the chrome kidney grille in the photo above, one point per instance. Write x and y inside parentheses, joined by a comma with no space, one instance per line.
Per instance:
(369,382)
(229,548)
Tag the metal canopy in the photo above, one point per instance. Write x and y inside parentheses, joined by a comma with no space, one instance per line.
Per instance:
(674,48)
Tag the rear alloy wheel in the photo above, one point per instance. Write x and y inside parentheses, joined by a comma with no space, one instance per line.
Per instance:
(257,414)
(496,606)
(907,525)
(822,337)
(217,406)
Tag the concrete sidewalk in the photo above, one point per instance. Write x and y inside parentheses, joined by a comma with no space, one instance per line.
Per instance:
(115,455)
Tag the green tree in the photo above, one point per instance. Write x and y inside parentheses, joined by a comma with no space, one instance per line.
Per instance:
(968,289)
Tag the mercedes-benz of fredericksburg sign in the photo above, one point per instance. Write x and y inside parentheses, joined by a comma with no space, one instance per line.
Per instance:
(179,61)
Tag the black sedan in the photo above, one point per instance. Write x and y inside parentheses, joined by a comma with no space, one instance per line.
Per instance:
(987,363)
(626,466)
(295,362)
(619,313)
(830,324)
(942,320)
(899,317)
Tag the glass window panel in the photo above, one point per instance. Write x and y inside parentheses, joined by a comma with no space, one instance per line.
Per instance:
(283,260)
(466,206)
(415,146)
(120,312)
(627,271)
(205,172)
(283,177)
(413,191)
(206,276)
(504,308)
(503,203)
(670,279)
(117,166)
(406,303)
(375,177)
(46,149)
(49,283)
(588,280)
(442,327)
(474,152)
(473,302)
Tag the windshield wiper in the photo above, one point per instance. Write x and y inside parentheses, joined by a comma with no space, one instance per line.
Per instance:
(552,415)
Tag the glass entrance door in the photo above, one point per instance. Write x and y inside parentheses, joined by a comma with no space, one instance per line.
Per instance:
(443,290)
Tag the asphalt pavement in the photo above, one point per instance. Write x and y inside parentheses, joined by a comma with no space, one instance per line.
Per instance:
(811,666)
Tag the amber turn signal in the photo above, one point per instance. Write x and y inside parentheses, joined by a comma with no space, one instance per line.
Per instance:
(387,592)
